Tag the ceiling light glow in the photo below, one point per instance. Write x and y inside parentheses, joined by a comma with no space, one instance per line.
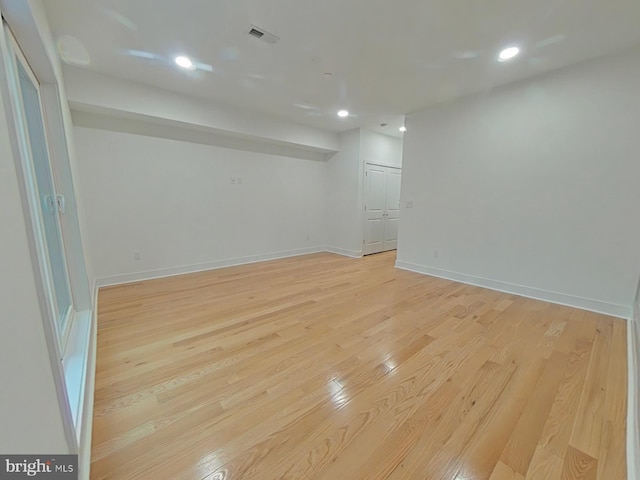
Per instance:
(184,62)
(142,54)
(508,54)
(403,129)
(343,113)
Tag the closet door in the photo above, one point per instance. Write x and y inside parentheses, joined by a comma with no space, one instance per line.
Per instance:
(375,207)
(392,208)
(382,208)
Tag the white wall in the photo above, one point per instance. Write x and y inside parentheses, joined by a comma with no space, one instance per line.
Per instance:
(380,149)
(534,186)
(174,203)
(342,196)
(30,418)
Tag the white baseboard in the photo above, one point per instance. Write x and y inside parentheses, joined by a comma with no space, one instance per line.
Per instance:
(344,252)
(598,306)
(230,262)
(633,422)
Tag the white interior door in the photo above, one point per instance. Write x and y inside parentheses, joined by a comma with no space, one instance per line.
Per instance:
(392,210)
(375,185)
(382,208)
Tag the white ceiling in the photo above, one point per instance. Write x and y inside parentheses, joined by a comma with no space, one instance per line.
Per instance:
(387,58)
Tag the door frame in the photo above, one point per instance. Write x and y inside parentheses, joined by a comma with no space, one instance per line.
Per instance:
(33,45)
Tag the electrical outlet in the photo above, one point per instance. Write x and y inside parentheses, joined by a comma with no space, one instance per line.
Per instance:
(308,237)
(136,256)
(436,254)
(409,204)
(233,180)
(239,180)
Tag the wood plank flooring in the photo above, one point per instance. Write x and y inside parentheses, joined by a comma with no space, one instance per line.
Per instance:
(327,367)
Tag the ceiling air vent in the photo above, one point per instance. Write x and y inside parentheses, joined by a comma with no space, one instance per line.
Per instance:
(256,33)
(263,35)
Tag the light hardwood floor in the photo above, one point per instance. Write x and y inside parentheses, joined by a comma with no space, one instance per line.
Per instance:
(327,367)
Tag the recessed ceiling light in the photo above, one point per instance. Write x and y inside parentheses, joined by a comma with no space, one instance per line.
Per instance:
(184,62)
(508,54)
(403,129)
(343,113)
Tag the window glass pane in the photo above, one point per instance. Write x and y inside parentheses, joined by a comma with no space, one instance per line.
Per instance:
(46,192)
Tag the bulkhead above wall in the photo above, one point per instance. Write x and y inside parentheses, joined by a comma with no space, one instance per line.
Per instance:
(99,101)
